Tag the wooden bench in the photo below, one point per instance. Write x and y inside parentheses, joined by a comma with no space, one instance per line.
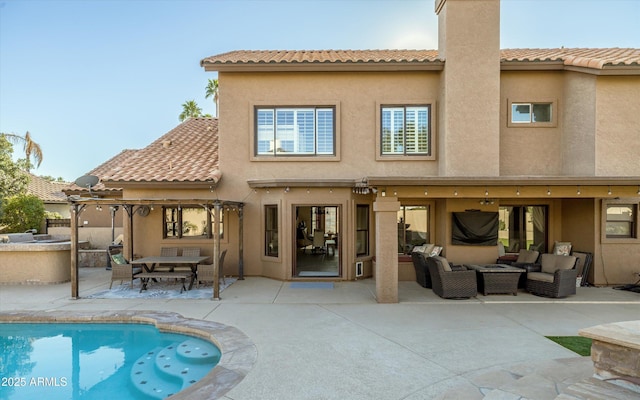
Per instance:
(146,276)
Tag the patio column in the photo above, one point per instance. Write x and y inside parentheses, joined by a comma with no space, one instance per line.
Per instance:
(386,272)
(216,250)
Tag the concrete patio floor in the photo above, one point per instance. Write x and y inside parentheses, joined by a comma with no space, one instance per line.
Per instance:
(319,343)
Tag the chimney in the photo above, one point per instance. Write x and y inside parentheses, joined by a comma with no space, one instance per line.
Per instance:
(469,111)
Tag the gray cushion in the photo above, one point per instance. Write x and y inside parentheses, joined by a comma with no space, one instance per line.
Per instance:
(540,276)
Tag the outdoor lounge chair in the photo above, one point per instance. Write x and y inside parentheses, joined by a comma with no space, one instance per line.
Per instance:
(422,271)
(526,260)
(121,270)
(205,271)
(451,282)
(557,276)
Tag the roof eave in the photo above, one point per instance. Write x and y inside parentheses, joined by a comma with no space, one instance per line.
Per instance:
(323,66)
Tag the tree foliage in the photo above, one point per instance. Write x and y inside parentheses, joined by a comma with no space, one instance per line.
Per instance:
(190,109)
(212,91)
(13,179)
(22,212)
(31,148)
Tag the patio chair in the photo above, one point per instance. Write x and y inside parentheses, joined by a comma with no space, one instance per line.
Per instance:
(167,252)
(121,270)
(187,252)
(451,282)
(526,260)
(422,271)
(205,271)
(557,276)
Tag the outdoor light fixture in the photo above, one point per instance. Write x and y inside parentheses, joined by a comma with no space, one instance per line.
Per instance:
(578,192)
(609,191)
(638,190)
(487,201)
(426,193)
(286,190)
(486,192)
(455,192)
(395,193)
(308,191)
(548,191)
(517,191)
(383,193)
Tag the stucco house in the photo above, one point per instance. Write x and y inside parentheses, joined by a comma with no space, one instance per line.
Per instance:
(341,161)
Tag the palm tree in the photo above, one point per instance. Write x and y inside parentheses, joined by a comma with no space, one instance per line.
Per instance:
(190,109)
(212,90)
(31,148)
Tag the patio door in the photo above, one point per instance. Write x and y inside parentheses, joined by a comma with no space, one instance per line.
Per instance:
(523,227)
(317,236)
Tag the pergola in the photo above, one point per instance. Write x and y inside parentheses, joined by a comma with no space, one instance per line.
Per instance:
(131,207)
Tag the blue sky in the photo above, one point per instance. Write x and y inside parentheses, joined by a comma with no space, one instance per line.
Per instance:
(88,79)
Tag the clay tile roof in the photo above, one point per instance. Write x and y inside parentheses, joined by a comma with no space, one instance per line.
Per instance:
(572,57)
(102,170)
(47,191)
(187,153)
(321,57)
(577,57)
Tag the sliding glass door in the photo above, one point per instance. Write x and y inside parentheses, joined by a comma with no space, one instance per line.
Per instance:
(523,227)
(317,241)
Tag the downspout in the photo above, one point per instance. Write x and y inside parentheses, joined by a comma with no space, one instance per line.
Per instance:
(216,251)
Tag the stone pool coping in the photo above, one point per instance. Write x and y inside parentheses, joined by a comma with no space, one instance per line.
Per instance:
(239,353)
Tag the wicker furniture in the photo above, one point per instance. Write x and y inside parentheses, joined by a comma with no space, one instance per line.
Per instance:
(557,276)
(527,260)
(205,272)
(121,270)
(451,282)
(422,271)
(497,278)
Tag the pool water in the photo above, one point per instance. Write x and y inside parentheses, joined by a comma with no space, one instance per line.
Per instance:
(99,361)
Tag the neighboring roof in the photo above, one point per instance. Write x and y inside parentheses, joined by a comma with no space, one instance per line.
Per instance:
(618,60)
(47,191)
(188,154)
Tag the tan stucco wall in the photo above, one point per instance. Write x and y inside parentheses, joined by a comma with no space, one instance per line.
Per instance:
(527,150)
(618,126)
(357,97)
(35,263)
(469,115)
(577,114)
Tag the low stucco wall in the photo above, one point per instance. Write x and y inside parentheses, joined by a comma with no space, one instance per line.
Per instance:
(35,263)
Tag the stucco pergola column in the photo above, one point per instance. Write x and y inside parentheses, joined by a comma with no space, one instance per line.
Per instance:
(386,211)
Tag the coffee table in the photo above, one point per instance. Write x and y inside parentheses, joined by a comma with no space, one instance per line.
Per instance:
(497,278)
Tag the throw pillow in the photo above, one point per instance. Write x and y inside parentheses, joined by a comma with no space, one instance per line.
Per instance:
(118,259)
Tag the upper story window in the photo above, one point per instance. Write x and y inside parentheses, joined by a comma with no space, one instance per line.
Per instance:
(406,130)
(529,113)
(307,131)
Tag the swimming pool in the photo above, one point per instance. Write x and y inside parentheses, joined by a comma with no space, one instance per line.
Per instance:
(118,355)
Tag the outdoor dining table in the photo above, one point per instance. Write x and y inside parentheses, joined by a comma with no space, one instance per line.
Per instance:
(149,263)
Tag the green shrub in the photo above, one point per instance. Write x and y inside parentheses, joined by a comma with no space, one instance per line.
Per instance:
(22,212)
